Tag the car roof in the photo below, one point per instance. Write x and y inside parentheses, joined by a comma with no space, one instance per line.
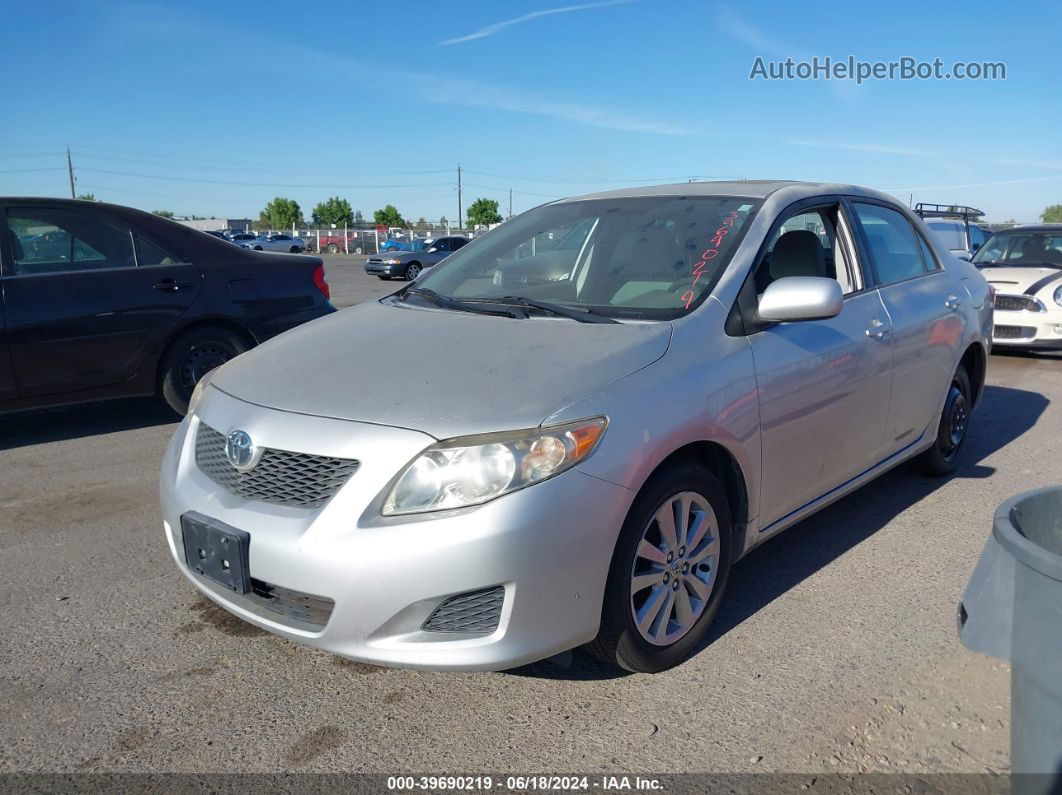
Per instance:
(751,188)
(1031,228)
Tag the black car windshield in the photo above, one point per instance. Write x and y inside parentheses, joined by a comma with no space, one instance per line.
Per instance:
(1022,248)
(648,257)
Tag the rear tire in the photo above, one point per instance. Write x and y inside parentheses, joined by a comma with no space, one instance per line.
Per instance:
(295,249)
(943,457)
(644,554)
(333,248)
(191,356)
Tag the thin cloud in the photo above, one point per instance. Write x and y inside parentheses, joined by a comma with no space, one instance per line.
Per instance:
(881,149)
(497,27)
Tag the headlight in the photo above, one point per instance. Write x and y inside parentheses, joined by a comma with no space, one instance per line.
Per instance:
(197,393)
(1058,296)
(391,261)
(476,469)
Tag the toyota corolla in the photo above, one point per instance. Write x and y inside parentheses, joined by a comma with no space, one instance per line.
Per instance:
(503,469)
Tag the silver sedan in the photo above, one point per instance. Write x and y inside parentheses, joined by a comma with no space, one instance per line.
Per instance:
(504,468)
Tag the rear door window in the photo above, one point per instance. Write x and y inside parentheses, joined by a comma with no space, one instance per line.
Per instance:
(52,240)
(892,243)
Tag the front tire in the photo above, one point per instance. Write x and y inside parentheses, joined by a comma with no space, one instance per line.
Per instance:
(668,573)
(191,356)
(295,249)
(412,271)
(943,457)
(333,248)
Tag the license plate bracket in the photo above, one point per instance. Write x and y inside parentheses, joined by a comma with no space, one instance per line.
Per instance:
(217,551)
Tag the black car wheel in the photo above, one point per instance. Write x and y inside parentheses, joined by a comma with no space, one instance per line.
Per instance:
(412,270)
(333,248)
(943,457)
(191,356)
(295,249)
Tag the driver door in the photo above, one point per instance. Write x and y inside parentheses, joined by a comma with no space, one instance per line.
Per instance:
(824,385)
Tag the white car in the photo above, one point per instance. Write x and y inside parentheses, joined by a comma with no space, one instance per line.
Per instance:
(1024,265)
(286,243)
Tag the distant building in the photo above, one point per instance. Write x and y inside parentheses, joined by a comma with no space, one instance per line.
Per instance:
(212,224)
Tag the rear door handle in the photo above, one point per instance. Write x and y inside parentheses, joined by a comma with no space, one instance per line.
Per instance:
(878,330)
(952,302)
(169,286)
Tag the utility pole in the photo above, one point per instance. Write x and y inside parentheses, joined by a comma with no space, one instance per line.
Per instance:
(70,171)
(460,223)
(510,202)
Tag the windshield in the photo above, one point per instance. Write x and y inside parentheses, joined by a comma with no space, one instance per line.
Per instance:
(1021,248)
(653,257)
(951,234)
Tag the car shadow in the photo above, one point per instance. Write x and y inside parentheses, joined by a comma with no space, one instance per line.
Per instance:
(770,570)
(87,419)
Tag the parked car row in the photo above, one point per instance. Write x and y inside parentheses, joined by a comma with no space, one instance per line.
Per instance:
(271,242)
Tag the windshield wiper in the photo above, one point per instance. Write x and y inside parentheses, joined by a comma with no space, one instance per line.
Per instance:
(581,314)
(453,303)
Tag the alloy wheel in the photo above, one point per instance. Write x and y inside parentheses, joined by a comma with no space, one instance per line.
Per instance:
(675,568)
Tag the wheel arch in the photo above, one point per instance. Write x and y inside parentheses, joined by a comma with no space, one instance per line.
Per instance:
(203,322)
(975,361)
(721,463)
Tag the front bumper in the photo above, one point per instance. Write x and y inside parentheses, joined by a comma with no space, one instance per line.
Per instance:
(1028,329)
(548,546)
(381,269)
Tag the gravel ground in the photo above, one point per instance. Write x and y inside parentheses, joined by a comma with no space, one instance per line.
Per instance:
(835,650)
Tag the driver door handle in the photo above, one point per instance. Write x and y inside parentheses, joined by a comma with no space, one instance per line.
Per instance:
(878,330)
(169,286)
(952,302)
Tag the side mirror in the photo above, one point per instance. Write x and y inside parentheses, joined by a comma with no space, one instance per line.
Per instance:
(796,298)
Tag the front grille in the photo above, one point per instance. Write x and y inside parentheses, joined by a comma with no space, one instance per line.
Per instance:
(1013,332)
(280,476)
(1018,303)
(475,611)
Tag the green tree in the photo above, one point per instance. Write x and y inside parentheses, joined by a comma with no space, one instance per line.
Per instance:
(358,217)
(1052,214)
(422,223)
(281,213)
(443,222)
(483,212)
(163,213)
(389,216)
(334,211)
(88,197)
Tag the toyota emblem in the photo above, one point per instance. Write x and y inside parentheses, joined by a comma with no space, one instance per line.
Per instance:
(240,450)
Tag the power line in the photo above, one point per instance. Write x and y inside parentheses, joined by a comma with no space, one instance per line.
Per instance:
(346,186)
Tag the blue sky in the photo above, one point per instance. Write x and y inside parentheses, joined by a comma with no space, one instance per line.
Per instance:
(214,108)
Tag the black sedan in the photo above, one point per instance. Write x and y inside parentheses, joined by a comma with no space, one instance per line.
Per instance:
(100,301)
(409,264)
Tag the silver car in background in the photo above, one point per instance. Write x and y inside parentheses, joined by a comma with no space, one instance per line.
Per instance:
(497,473)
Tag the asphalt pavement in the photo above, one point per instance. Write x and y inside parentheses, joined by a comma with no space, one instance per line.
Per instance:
(835,649)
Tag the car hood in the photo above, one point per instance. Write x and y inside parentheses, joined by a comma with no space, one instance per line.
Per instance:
(442,372)
(1024,279)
